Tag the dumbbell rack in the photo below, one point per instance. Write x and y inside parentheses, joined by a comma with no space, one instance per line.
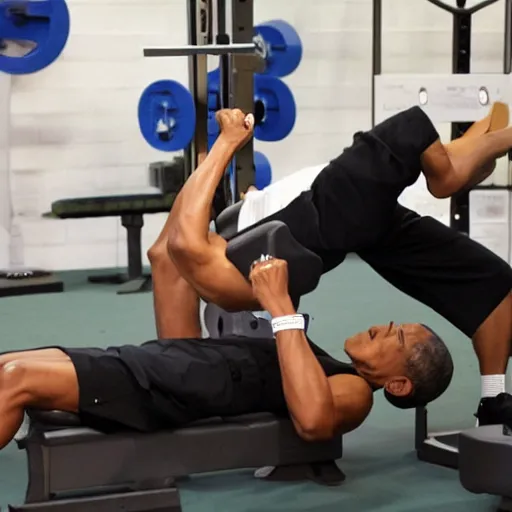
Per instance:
(442,448)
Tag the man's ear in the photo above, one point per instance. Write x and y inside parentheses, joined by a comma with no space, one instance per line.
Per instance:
(399,386)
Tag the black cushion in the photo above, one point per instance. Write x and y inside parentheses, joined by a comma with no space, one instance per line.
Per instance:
(55,418)
(226,223)
(216,444)
(112,206)
(274,238)
(68,419)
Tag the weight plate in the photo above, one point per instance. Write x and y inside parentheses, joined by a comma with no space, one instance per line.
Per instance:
(167,115)
(43,23)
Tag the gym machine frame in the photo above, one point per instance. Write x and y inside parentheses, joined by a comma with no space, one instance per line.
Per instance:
(241,55)
(442,448)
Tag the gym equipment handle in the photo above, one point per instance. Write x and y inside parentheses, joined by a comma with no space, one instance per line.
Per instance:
(463,10)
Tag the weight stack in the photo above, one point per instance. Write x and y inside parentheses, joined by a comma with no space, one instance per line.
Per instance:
(168,177)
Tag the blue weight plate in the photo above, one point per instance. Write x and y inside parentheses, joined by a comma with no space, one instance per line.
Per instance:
(44,23)
(274,107)
(284,47)
(167,115)
(262,171)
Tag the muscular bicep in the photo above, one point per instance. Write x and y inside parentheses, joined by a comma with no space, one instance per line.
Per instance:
(213,276)
(353,401)
(220,282)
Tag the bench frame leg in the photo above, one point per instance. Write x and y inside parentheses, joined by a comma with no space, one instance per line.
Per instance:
(141,501)
(135,281)
(323,473)
(154,495)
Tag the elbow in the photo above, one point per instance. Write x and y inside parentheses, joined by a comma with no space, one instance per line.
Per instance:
(440,193)
(177,242)
(316,430)
(442,188)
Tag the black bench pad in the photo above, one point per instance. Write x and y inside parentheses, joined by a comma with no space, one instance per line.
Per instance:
(112,206)
(485,461)
(274,238)
(215,444)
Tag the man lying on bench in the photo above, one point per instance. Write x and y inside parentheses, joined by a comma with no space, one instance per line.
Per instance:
(350,205)
(180,378)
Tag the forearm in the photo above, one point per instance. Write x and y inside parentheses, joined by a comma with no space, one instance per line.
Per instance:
(190,216)
(305,384)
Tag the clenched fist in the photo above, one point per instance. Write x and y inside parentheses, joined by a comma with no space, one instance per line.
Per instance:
(269,279)
(236,127)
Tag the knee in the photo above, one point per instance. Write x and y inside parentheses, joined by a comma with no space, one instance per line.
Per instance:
(162,253)
(14,378)
(158,253)
(499,322)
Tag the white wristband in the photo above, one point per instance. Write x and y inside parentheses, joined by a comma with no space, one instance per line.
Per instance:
(288,323)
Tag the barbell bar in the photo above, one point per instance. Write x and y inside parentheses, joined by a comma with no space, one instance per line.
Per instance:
(207,49)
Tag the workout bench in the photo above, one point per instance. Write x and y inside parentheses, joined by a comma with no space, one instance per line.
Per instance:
(131,209)
(74,468)
(485,462)
(169,178)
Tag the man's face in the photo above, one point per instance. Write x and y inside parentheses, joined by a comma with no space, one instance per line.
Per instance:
(380,354)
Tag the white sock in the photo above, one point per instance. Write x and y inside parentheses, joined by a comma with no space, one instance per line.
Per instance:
(492,385)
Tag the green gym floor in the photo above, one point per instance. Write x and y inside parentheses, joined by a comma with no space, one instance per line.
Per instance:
(382,471)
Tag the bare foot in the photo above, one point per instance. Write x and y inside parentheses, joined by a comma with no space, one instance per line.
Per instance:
(497,119)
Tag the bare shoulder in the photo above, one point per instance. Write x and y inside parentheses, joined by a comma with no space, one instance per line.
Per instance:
(353,401)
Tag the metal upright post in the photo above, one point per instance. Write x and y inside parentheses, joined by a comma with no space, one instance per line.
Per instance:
(200,30)
(224,60)
(243,68)
(462,21)
(507,65)
(507,51)
(223,195)
(376,49)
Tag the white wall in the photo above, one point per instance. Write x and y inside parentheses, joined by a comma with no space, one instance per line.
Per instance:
(5,193)
(74,125)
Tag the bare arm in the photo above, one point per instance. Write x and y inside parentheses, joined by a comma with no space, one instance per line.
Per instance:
(199,254)
(319,407)
(305,385)
(190,217)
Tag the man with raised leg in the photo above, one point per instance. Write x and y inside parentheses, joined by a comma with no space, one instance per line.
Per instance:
(351,205)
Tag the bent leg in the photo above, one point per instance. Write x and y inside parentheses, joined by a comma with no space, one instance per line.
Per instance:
(34,383)
(469,160)
(38,354)
(175,302)
(492,340)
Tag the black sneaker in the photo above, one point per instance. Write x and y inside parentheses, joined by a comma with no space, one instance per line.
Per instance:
(495,411)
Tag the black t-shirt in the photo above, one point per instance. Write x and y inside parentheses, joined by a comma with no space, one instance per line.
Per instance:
(196,378)
(351,203)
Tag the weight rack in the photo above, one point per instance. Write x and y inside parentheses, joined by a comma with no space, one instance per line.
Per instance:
(240,59)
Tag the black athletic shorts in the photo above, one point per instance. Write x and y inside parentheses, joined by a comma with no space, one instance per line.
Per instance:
(110,397)
(352,207)
(442,268)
